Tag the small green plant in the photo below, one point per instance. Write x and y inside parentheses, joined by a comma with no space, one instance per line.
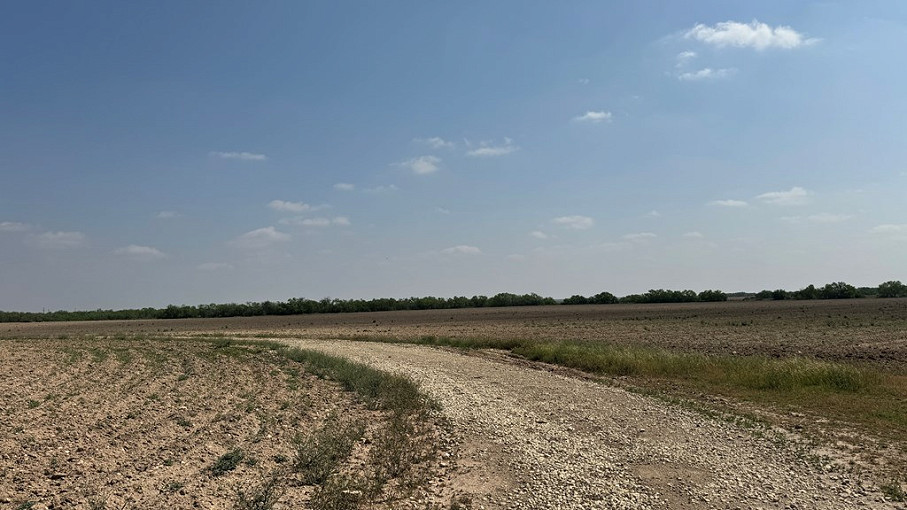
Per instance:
(173,486)
(227,462)
(33,404)
(183,422)
(319,455)
(261,497)
(893,491)
(340,492)
(25,505)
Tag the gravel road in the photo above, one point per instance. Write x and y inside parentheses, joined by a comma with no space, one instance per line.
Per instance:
(535,439)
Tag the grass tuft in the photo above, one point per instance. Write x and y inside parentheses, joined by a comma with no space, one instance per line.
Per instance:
(227,462)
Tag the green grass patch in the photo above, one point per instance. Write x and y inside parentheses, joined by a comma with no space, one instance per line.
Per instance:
(227,462)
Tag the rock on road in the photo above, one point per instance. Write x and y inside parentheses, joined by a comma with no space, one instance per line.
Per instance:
(542,440)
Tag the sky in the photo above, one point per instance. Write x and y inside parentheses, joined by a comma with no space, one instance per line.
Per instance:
(190,152)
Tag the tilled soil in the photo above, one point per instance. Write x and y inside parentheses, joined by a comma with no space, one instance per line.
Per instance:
(93,424)
(536,439)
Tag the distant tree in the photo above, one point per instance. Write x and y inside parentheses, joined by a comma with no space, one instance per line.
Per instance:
(808,292)
(763,295)
(576,300)
(780,295)
(712,295)
(838,290)
(892,289)
(604,298)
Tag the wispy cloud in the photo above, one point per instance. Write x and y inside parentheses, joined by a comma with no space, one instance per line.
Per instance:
(693,235)
(58,240)
(260,238)
(442,210)
(538,234)
(592,117)
(337,221)
(754,34)
(684,57)
(488,149)
(344,186)
(12,226)
(423,165)
(383,188)
(729,203)
(435,142)
(583,81)
(574,222)
(141,253)
(284,206)
(242,156)
(706,74)
(793,196)
(462,249)
(214,266)
(818,218)
(652,214)
(640,236)
(167,215)
(890,229)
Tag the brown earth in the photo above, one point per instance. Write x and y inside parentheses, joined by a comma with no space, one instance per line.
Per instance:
(861,330)
(92,424)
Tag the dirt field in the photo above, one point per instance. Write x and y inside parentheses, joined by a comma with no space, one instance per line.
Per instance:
(860,330)
(113,424)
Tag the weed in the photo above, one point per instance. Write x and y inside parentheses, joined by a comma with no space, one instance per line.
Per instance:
(183,422)
(33,404)
(173,486)
(893,491)
(227,462)
(25,505)
(319,455)
(261,497)
(340,492)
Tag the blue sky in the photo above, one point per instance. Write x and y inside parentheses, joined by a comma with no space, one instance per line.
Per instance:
(182,152)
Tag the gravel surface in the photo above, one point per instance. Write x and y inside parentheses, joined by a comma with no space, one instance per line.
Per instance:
(536,439)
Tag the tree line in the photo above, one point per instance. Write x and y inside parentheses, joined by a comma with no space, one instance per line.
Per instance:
(299,306)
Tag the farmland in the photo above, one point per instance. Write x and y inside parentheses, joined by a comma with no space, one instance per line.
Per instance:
(829,373)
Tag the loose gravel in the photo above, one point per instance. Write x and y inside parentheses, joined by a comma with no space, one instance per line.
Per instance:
(563,442)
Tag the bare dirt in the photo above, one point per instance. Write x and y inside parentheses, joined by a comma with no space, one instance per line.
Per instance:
(116,424)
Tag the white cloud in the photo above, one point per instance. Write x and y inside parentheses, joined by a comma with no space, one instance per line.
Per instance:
(260,238)
(381,189)
(729,203)
(685,56)
(441,210)
(461,249)
(214,266)
(641,236)
(243,156)
(516,257)
(12,226)
(693,235)
(422,165)
(344,186)
(818,218)
(574,222)
(756,35)
(167,215)
(652,214)
(793,196)
(435,142)
(284,206)
(58,240)
(889,229)
(488,149)
(538,234)
(583,81)
(143,253)
(706,74)
(337,221)
(594,117)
